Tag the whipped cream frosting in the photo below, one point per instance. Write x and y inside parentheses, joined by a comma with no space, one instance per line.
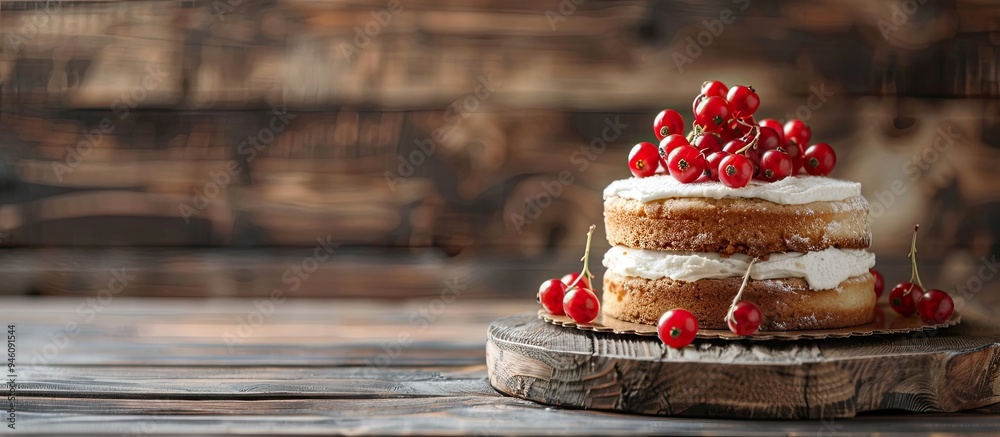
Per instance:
(794,190)
(823,269)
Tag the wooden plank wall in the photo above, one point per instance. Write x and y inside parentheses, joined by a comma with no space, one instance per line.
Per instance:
(202,127)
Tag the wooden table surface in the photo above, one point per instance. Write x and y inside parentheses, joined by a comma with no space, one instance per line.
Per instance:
(143,366)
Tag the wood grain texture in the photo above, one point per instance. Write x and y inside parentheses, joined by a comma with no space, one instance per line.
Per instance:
(357,118)
(948,370)
(484,414)
(155,366)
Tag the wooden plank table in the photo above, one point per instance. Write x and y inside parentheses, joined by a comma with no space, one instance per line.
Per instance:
(143,366)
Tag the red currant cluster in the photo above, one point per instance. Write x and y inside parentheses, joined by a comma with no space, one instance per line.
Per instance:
(572,295)
(908,297)
(727,145)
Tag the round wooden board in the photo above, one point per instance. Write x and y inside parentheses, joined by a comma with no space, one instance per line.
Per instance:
(940,370)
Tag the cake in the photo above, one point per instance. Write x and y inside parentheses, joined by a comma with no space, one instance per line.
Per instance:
(677,245)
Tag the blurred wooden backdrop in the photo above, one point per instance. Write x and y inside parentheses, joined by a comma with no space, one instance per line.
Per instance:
(205,146)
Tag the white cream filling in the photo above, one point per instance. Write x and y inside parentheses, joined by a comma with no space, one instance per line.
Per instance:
(823,270)
(795,190)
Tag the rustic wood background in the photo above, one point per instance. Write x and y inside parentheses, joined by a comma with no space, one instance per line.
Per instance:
(183,83)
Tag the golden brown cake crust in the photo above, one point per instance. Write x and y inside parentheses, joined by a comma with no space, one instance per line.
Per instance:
(754,227)
(787,304)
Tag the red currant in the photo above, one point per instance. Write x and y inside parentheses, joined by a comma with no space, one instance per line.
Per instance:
(775,165)
(708,143)
(581,305)
(671,142)
(794,152)
(769,139)
(677,328)
(735,171)
(743,100)
(935,306)
(745,125)
(878,320)
(714,88)
(668,122)
(902,298)
(751,153)
(685,163)
(746,318)
(696,101)
(776,126)
(879,283)
(551,294)
(738,144)
(905,296)
(916,295)
(819,159)
(733,146)
(728,134)
(796,131)
(570,278)
(712,162)
(643,160)
(712,113)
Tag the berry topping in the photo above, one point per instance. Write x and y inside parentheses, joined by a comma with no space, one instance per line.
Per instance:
(769,139)
(902,298)
(550,295)
(879,283)
(712,162)
(739,146)
(708,143)
(668,122)
(714,88)
(712,113)
(795,152)
(671,142)
(685,163)
(906,297)
(819,159)
(724,120)
(735,171)
(643,160)
(744,317)
(743,100)
(775,165)
(746,122)
(697,100)
(797,132)
(579,302)
(677,328)
(935,306)
(735,146)
(776,126)
(571,279)
(581,305)
(728,134)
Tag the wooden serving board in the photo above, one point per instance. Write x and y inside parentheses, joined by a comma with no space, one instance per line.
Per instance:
(941,370)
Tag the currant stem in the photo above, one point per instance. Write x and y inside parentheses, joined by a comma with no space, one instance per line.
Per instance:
(913,258)
(696,130)
(753,143)
(739,294)
(585,273)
